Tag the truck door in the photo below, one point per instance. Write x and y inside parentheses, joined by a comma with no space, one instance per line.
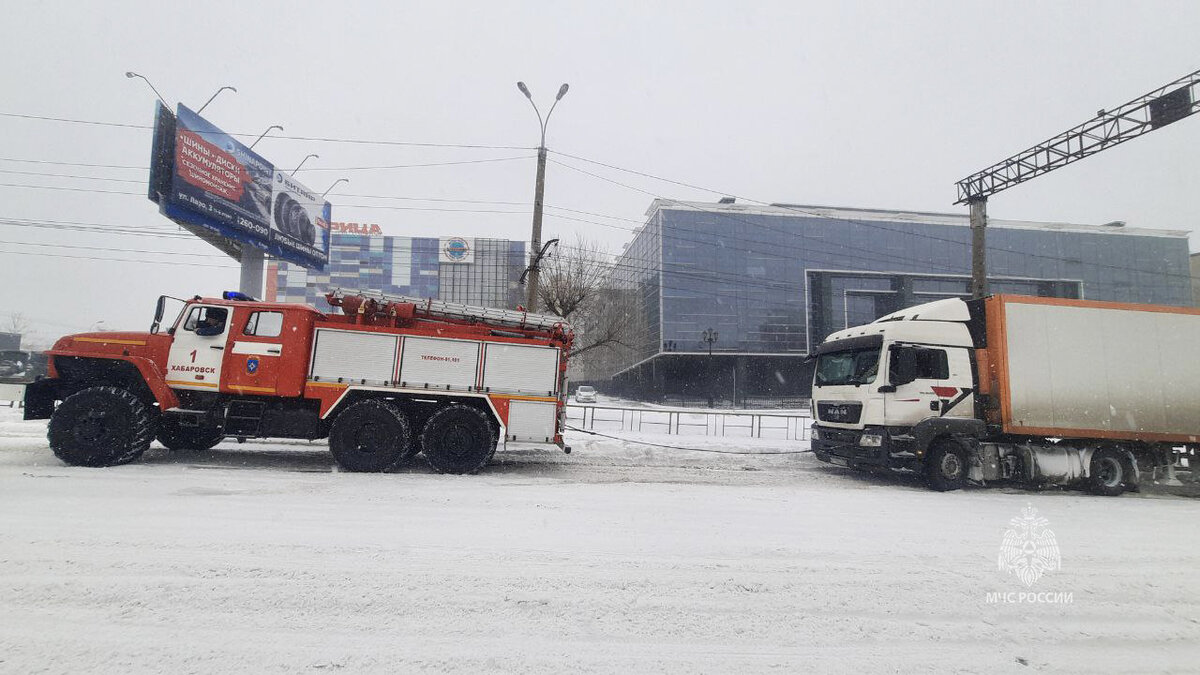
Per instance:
(930,382)
(916,372)
(198,349)
(254,361)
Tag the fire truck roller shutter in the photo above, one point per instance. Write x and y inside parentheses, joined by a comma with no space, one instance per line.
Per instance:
(354,356)
(520,368)
(439,362)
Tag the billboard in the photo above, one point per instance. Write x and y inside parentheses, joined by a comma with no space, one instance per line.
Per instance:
(202,177)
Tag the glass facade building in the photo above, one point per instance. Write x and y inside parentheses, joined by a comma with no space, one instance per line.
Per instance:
(480,271)
(773,281)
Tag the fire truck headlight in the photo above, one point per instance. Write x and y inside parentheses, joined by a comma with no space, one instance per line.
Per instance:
(870,440)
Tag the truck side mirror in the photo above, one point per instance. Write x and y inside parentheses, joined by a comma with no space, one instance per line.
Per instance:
(158,313)
(903,366)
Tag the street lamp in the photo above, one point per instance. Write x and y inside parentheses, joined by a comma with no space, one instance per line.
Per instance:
(335,183)
(131,74)
(210,98)
(302,163)
(710,336)
(539,190)
(260,137)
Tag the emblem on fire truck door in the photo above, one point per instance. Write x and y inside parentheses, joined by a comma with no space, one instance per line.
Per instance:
(252,365)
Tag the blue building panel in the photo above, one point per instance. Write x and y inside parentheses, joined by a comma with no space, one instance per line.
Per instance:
(370,264)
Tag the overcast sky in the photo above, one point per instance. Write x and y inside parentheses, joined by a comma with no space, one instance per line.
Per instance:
(882,105)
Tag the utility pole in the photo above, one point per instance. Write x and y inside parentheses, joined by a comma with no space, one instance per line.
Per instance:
(979,285)
(535,247)
(1165,105)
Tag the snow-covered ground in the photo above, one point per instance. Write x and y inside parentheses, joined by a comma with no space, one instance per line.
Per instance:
(616,558)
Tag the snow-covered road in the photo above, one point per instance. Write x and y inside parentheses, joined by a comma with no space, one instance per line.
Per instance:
(258,558)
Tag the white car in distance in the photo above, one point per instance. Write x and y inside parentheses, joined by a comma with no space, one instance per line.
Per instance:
(585,394)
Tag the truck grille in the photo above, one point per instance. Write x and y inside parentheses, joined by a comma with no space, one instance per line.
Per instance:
(842,412)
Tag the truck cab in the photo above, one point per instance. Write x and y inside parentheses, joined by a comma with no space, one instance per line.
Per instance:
(236,347)
(883,391)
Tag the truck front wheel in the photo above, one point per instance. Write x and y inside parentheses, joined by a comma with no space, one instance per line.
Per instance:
(101,426)
(458,439)
(1107,474)
(946,465)
(369,436)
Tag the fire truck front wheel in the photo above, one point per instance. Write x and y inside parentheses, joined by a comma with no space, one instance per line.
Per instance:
(369,436)
(101,426)
(458,439)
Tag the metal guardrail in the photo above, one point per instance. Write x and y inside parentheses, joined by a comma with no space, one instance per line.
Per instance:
(790,426)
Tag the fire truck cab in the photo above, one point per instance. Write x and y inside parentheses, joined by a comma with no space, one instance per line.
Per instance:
(388,378)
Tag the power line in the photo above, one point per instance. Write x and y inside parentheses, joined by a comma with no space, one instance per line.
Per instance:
(121,260)
(378,167)
(319,139)
(65,175)
(863,223)
(356,206)
(97,166)
(772,247)
(116,250)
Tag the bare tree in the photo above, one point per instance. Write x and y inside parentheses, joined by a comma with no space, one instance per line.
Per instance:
(571,276)
(16,323)
(21,325)
(573,285)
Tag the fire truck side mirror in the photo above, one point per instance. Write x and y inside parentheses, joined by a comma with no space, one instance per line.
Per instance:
(158,313)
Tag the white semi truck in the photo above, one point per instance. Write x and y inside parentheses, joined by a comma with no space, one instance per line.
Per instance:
(1040,391)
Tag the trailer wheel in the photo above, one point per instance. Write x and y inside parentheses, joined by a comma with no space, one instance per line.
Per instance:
(101,426)
(369,436)
(1108,473)
(458,439)
(946,465)
(175,437)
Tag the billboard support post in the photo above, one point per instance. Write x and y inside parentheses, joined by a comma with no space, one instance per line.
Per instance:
(251,282)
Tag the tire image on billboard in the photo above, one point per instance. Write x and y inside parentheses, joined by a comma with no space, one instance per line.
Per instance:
(292,219)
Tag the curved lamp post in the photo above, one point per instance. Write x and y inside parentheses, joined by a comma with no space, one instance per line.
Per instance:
(131,74)
(210,98)
(303,161)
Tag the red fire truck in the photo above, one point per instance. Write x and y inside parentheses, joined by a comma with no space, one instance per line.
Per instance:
(389,377)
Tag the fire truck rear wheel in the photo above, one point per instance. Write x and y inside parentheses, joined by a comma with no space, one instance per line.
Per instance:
(458,439)
(369,436)
(175,437)
(101,426)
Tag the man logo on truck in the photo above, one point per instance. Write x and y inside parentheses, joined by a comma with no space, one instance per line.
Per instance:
(1029,549)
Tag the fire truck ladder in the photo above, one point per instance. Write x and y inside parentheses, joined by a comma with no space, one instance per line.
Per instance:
(453,310)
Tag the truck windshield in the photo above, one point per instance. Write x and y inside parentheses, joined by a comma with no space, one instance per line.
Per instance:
(859,366)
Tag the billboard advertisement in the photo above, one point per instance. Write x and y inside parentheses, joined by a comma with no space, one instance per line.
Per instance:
(203,177)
